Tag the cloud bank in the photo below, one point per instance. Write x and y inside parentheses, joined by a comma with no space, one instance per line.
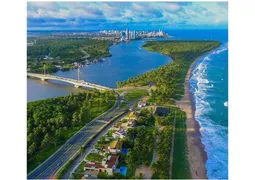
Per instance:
(119,15)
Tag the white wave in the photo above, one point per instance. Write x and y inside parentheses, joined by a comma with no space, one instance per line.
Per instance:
(226,104)
(214,136)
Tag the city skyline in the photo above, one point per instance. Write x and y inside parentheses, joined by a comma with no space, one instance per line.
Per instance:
(122,15)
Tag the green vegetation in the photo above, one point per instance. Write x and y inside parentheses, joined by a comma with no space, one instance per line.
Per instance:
(51,122)
(94,157)
(169,79)
(146,118)
(168,84)
(64,52)
(123,104)
(141,152)
(180,159)
(161,166)
(135,94)
(81,167)
(102,141)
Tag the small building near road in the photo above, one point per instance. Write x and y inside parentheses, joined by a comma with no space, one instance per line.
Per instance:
(132,116)
(115,146)
(108,165)
(91,174)
(143,102)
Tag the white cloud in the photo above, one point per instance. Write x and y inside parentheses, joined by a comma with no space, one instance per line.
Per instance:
(197,13)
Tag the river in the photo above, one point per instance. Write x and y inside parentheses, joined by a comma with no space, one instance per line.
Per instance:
(128,59)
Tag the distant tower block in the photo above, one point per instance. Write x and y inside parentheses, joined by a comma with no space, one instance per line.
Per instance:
(127,34)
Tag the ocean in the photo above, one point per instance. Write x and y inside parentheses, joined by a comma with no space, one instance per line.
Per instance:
(209,87)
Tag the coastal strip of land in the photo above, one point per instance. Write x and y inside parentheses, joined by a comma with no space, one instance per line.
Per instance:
(196,154)
(171,88)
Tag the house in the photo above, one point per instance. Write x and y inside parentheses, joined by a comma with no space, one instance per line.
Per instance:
(91,174)
(108,165)
(132,116)
(115,146)
(143,102)
(162,111)
(94,166)
(131,123)
(121,133)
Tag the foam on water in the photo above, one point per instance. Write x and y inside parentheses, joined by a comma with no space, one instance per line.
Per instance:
(226,104)
(214,135)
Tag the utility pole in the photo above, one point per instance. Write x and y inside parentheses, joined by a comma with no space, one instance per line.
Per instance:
(78,73)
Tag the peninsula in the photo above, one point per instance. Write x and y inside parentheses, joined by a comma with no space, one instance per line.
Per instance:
(169,86)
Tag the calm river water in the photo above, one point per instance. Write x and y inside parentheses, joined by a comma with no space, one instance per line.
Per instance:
(128,59)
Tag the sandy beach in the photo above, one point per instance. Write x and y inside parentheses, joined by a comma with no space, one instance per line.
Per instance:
(196,155)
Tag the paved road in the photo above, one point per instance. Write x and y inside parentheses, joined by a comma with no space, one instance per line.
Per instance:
(70,148)
(89,147)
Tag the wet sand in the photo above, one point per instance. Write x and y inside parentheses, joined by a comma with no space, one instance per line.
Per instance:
(196,155)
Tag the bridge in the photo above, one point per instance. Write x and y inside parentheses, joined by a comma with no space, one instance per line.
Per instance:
(77,83)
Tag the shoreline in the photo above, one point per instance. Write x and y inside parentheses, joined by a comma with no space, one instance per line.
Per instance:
(197,156)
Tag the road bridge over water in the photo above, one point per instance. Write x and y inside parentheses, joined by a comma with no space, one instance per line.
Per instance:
(77,83)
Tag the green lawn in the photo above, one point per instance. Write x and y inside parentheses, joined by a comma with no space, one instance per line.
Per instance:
(135,94)
(81,167)
(94,157)
(180,168)
(123,104)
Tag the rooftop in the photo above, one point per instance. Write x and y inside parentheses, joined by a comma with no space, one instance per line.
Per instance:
(94,164)
(162,111)
(115,144)
(112,161)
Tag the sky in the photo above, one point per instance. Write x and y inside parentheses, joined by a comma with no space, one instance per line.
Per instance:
(121,15)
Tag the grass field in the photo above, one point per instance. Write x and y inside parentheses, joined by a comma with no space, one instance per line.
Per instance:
(123,104)
(94,157)
(135,94)
(180,168)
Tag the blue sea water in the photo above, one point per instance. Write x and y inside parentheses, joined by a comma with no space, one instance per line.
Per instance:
(209,87)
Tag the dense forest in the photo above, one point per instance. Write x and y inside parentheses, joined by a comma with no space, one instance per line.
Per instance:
(64,52)
(169,78)
(51,122)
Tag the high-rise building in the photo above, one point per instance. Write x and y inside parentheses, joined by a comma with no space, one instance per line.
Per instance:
(127,34)
(130,35)
(134,35)
(122,36)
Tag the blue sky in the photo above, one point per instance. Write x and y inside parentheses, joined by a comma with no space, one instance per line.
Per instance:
(119,15)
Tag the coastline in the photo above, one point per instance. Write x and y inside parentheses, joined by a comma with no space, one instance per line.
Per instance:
(197,156)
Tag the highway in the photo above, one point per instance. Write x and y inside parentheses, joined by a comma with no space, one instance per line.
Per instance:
(50,166)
